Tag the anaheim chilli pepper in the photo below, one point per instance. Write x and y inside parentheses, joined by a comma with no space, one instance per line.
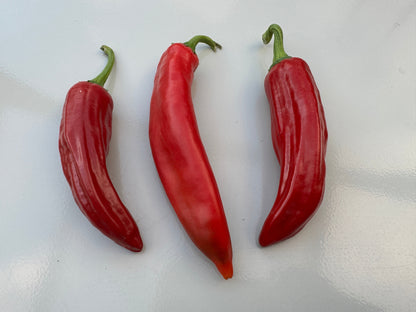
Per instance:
(299,136)
(180,157)
(84,137)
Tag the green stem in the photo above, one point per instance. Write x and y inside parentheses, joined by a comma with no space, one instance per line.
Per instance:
(102,77)
(204,39)
(278,50)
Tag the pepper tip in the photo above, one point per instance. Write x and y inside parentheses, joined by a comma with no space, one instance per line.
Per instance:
(134,244)
(265,240)
(226,269)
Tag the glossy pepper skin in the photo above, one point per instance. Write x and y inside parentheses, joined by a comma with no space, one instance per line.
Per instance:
(180,157)
(299,137)
(84,137)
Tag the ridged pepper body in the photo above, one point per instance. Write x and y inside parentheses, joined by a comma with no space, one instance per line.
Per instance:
(84,137)
(181,160)
(299,137)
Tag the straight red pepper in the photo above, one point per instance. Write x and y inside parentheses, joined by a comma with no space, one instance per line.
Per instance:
(84,138)
(299,136)
(180,157)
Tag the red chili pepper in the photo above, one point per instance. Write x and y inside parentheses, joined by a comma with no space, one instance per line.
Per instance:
(299,138)
(180,157)
(84,138)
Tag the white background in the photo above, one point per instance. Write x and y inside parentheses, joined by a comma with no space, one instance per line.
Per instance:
(358,253)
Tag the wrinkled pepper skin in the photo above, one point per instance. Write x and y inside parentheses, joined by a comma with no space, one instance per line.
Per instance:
(84,137)
(299,137)
(181,160)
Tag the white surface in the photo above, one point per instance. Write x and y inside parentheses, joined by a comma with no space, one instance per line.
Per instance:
(358,253)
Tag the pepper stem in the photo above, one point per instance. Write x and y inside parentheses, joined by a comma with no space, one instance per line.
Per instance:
(102,77)
(278,50)
(204,39)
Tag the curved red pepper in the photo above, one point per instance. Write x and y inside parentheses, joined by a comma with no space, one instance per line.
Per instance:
(180,157)
(299,138)
(84,137)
